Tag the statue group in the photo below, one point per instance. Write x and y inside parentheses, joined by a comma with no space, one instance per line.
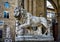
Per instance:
(27,24)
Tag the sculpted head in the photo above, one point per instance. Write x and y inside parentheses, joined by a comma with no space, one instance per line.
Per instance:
(19,12)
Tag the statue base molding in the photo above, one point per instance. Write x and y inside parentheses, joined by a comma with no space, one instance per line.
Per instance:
(34,38)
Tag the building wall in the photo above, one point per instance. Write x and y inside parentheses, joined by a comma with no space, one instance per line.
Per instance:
(55,1)
(35,7)
(11,20)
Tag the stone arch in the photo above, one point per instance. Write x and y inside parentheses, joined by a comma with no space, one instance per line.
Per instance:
(52,2)
(55,28)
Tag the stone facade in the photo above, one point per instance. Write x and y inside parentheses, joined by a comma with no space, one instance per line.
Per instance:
(35,6)
(11,20)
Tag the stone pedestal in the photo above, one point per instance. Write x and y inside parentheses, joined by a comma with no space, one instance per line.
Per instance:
(34,38)
(21,36)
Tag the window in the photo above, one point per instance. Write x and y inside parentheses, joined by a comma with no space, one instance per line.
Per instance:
(1,22)
(6,14)
(6,4)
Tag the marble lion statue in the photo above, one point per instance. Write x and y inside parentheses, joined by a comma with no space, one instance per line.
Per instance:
(30,19)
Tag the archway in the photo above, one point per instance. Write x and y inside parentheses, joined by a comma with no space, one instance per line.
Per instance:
(52,16)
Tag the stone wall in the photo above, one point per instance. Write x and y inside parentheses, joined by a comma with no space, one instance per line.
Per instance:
(35,7)
(40,7)
(11,20)
(55,1)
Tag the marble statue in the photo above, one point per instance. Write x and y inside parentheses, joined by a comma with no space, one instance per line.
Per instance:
(24,20)
(30,20)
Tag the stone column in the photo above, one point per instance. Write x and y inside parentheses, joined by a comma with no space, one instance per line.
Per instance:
(25,4)
(30,6)
(58,19)
(40,7)
(34,7)
(16,2)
